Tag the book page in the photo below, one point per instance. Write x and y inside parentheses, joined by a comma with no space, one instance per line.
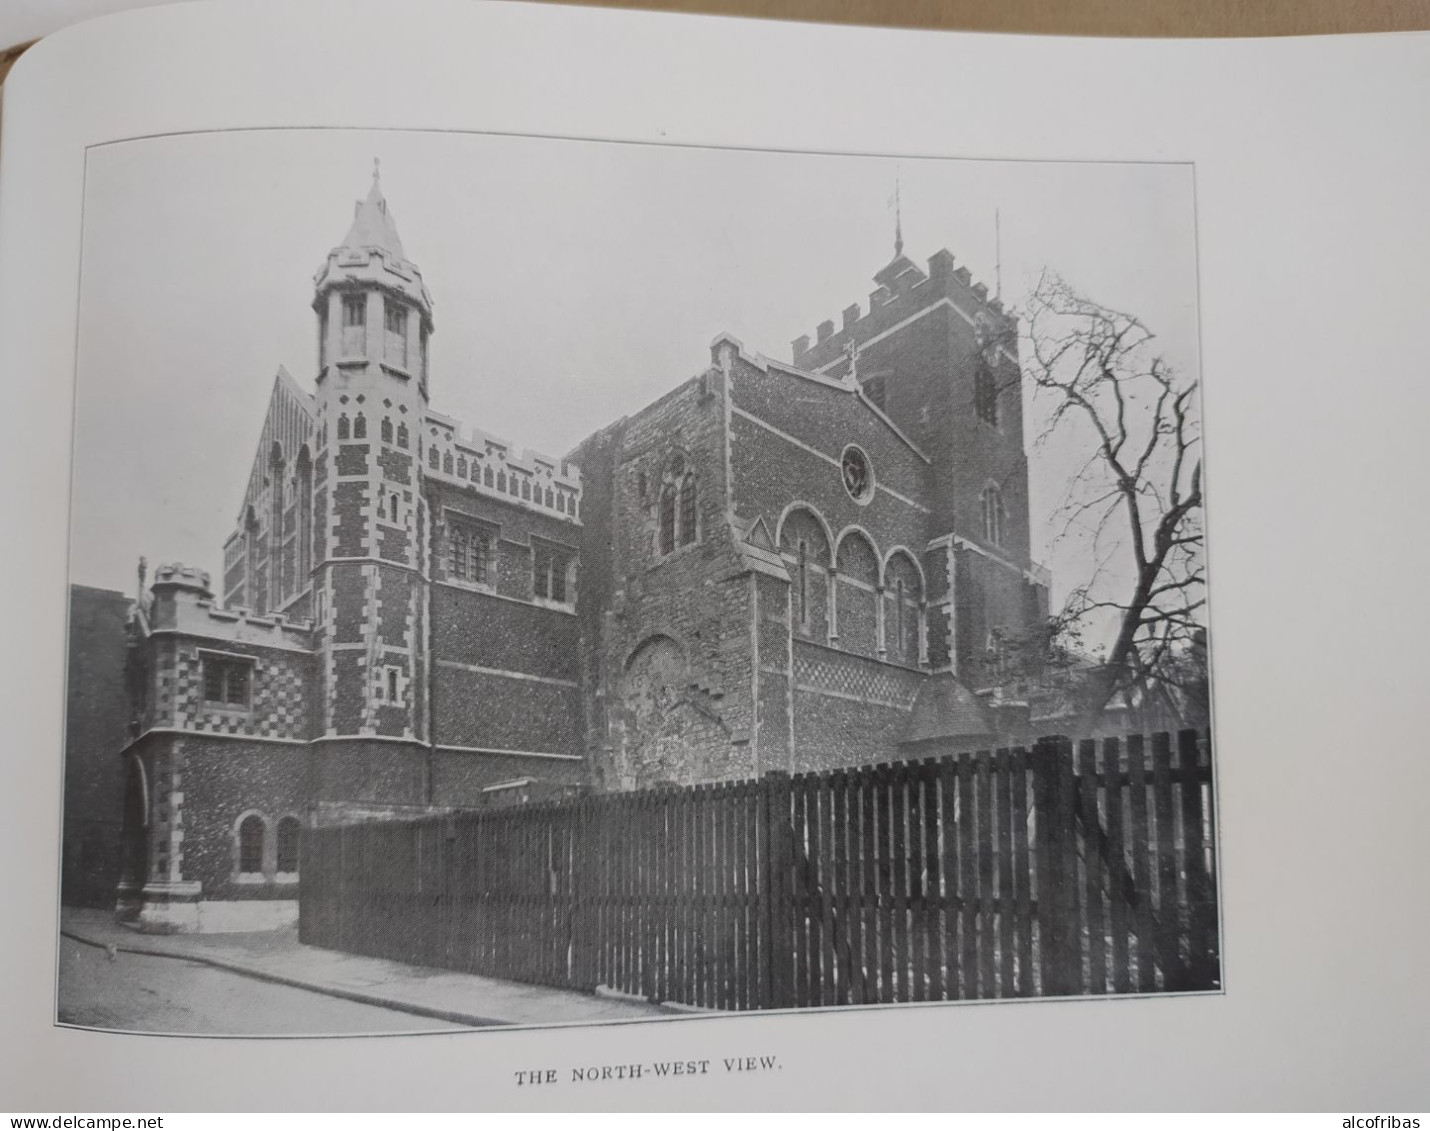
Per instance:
(588,470)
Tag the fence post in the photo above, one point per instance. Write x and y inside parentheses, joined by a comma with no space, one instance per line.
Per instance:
(1056,861)
(777,892)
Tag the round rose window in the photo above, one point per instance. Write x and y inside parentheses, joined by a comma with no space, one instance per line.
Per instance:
(858,475)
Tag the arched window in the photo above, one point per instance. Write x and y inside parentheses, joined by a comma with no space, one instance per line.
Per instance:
(276,580)
(801,591)
(992,501)
(667,518)
(289,832)
(487,477)
(687,509)
(252,544)
(903,594)
(434,461)
(985,394)
(393,511)
(461,467)
(447,463)
(854,619)
(360,427)
(343,426)
(526,488)
(402,435)
(501,481)
(677,513)
(251,832)
(305,516)
(512,486)
(550,498)
(386,430)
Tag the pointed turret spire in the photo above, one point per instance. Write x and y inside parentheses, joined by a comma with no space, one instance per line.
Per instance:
(373,226)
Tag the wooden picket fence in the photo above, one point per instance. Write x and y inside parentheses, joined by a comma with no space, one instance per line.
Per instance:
(1059,869)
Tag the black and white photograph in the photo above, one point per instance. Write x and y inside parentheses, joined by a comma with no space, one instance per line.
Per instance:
(526,581)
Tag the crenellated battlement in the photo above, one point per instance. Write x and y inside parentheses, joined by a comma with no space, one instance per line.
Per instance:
(493,466)
(903,289)
(184,603)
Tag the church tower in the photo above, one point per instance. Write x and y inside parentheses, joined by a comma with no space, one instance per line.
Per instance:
(374,319)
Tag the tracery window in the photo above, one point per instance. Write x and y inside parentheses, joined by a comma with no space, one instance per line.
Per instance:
(857,473)
(678,510)
(360,427)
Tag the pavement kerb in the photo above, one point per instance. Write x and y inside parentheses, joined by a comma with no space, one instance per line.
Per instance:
(456,1017)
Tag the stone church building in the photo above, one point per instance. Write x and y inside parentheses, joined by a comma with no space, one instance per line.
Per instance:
(775,566)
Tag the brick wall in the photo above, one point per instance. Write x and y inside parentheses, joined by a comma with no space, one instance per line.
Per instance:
(770,473)
(96,730)
(221,780)
(848,710)
(676,656)
(280,691)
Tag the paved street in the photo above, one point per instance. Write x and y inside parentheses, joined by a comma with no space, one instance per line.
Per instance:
(168,995)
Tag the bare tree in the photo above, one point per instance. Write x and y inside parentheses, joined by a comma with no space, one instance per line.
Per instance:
(1135,500)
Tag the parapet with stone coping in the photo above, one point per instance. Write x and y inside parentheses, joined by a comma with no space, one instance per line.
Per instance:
(903,290)
(183,603)
(494,467)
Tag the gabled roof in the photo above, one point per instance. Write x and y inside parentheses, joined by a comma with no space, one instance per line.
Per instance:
(289,422)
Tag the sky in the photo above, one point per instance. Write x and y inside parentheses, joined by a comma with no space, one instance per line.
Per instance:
(574,282)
